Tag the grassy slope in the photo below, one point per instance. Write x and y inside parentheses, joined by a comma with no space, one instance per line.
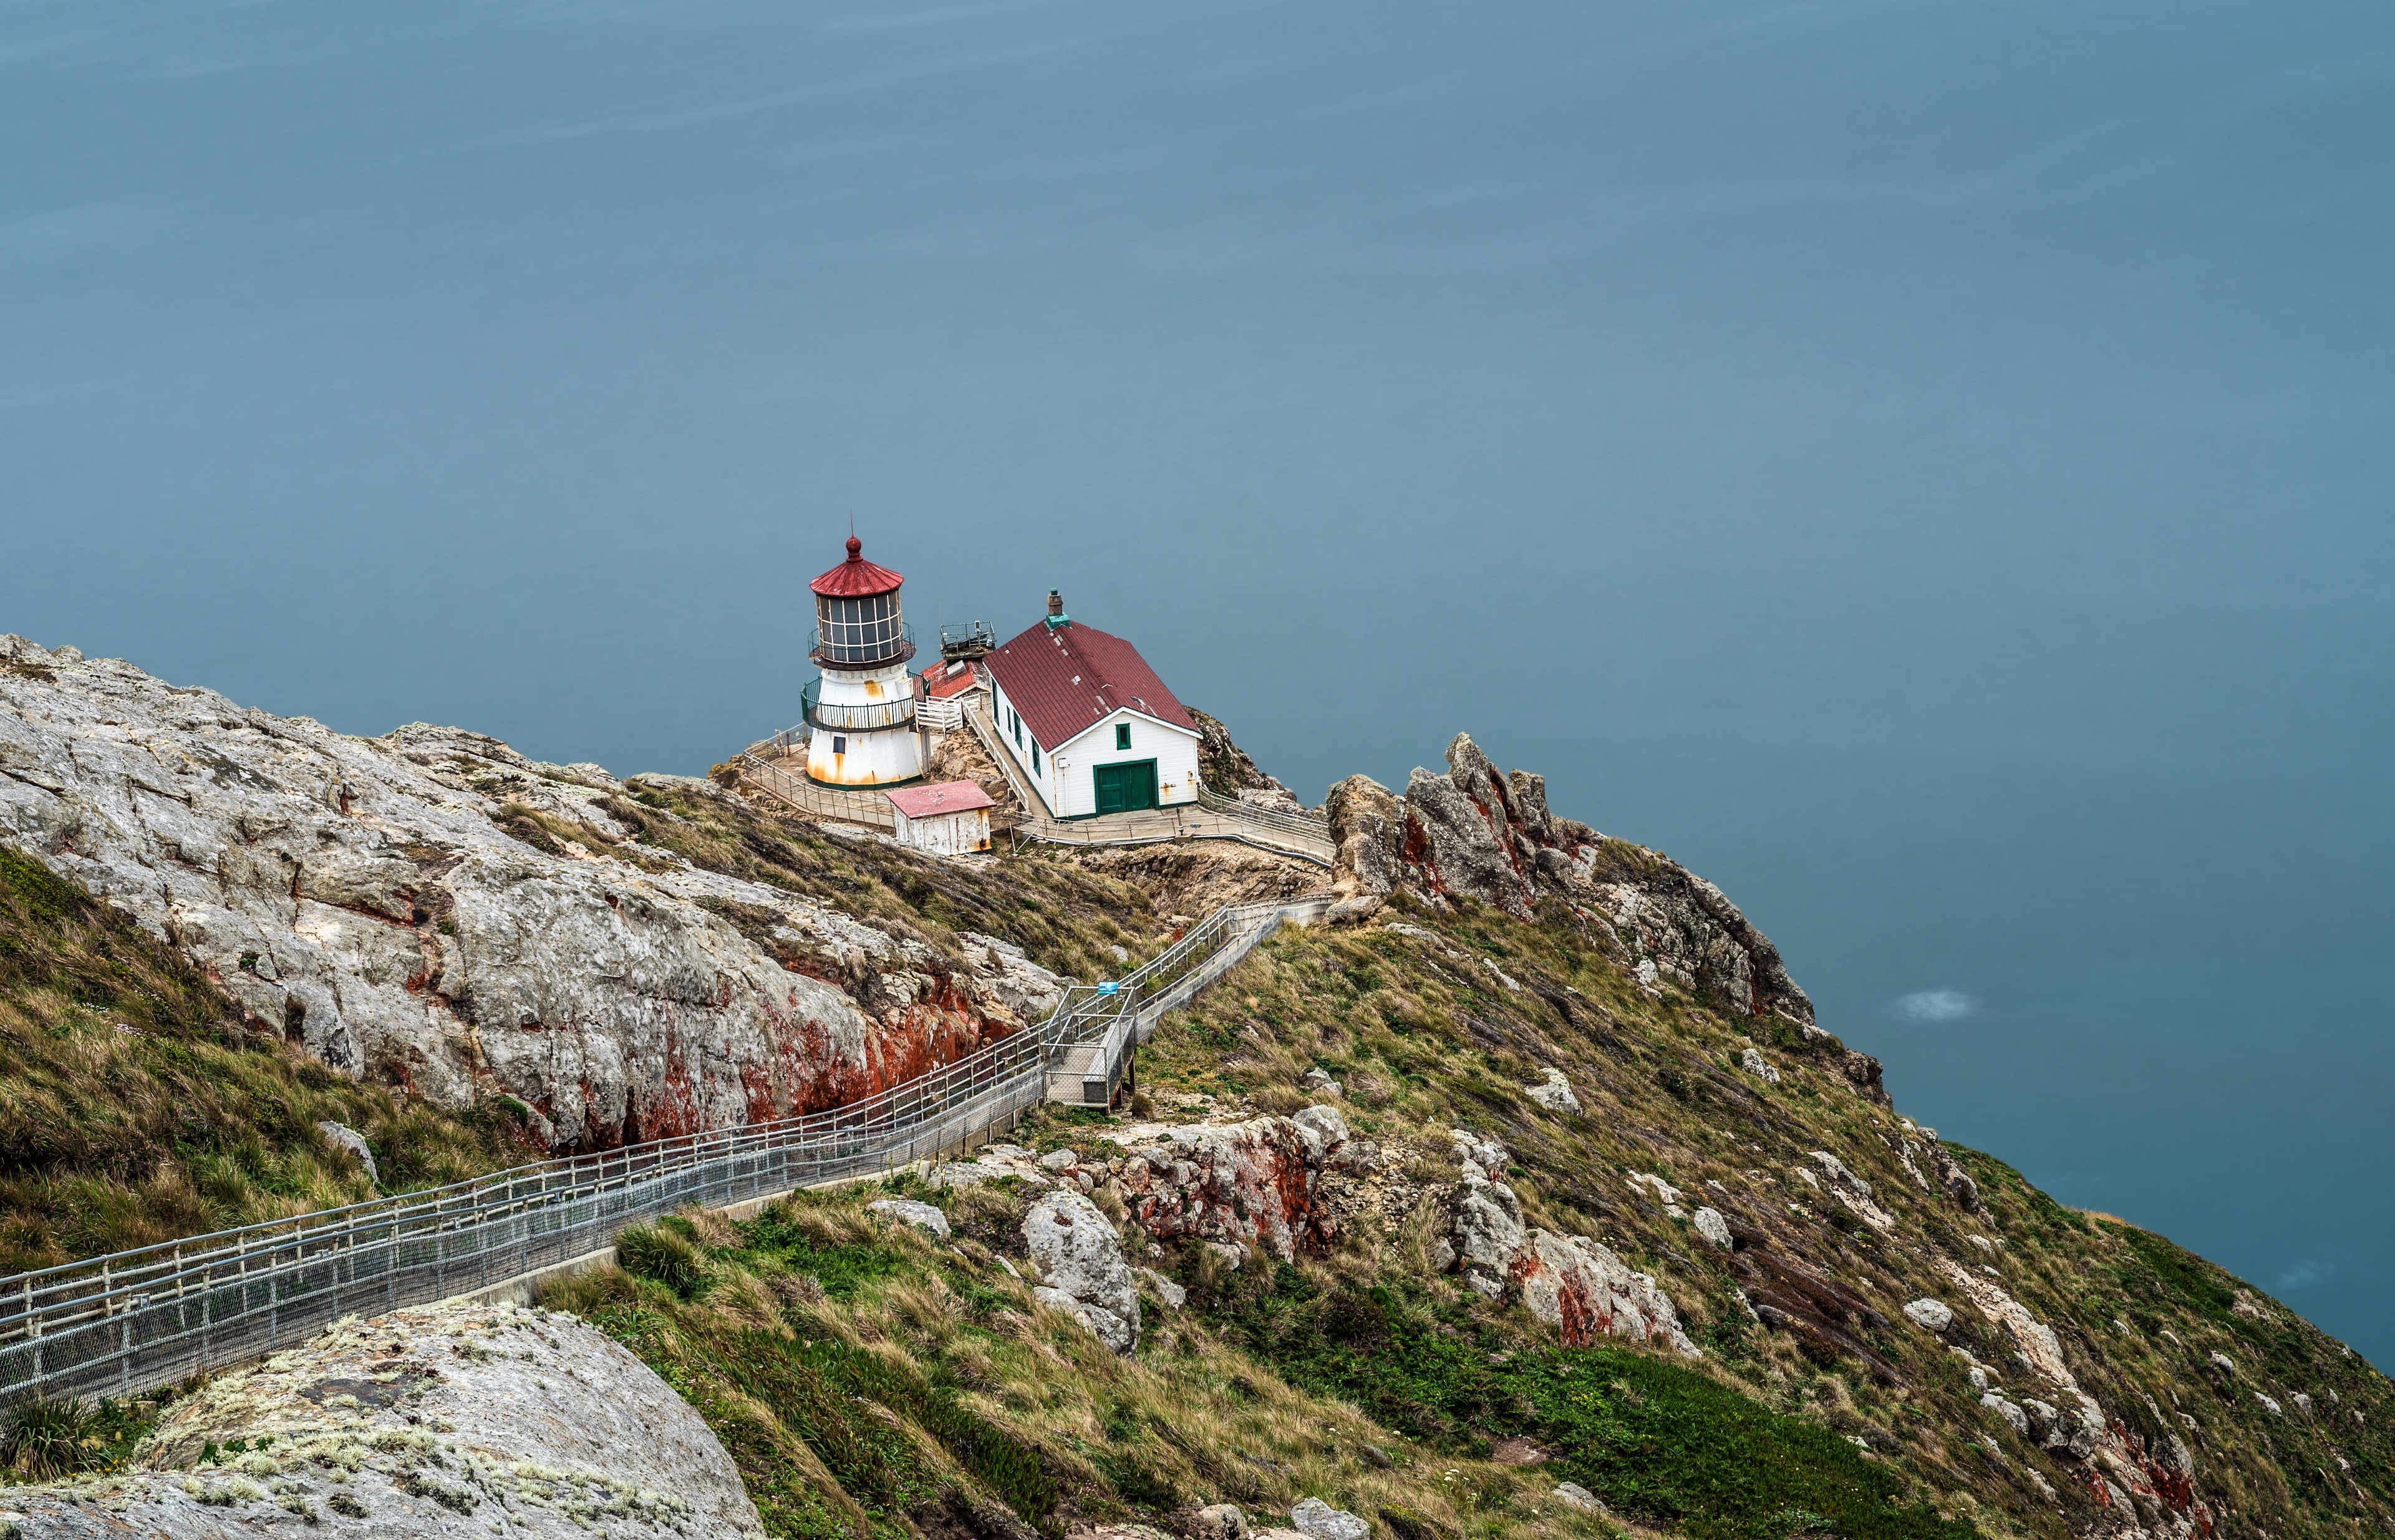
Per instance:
(136,1108)
(1424,1033)
(869,1379)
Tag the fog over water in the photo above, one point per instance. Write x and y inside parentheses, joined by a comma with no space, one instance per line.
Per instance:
(1926,467)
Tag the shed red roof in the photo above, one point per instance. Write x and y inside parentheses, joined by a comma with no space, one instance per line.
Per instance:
(942,680)
(856,577)
(1065,679)
(930,802)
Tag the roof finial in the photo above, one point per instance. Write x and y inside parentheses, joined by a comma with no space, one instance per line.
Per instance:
(856,548)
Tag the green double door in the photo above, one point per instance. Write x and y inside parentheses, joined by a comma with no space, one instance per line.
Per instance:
(1125,788)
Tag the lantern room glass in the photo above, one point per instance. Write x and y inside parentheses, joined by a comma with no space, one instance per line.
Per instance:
(858,630)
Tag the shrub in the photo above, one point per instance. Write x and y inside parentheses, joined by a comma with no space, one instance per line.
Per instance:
(662,1255)
(48,1437)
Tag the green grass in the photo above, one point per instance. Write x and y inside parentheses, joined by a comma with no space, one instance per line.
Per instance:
(1662,1442)
(868,1379)
(138,1106)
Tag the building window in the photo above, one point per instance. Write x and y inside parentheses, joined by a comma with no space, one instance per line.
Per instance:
(839,745)
(1035,756)
(1018,728)
(1122,735)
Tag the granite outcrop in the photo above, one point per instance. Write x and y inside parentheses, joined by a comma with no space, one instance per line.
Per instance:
(1474,832)
(432,909)
(437,1423)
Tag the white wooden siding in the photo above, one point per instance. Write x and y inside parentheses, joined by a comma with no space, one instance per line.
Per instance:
(1073,792)
(1174,749)
(945,834)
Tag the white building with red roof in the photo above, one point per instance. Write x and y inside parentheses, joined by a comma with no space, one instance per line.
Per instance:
(1088,722)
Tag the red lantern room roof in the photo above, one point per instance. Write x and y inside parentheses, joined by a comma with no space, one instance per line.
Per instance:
(856,577)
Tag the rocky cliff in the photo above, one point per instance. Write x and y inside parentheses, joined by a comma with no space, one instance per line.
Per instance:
(1474,833)
(432,909)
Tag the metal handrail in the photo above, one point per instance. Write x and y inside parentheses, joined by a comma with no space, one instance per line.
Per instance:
(851,719)
(137,1319)
(858,806)
(1313,825)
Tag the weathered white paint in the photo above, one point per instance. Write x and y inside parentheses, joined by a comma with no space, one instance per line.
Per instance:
(944,834)
(1065,779)
(883,748)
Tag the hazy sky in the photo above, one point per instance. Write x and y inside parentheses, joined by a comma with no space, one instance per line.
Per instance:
(1926,466)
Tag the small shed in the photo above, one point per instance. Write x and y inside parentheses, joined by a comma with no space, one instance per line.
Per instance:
(951,818)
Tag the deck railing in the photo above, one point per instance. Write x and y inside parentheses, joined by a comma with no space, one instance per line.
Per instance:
(842,803)
(133,1320)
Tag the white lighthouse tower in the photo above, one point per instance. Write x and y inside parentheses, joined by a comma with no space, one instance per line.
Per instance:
(862,710)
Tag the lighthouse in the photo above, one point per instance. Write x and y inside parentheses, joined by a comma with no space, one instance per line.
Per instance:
(860,712)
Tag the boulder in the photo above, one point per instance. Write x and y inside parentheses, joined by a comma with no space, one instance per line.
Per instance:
(1710,1224)
(1355,909)
(1930,1315)
(1585,1292)
(434,910)
(1488,1233)
(1853,1192)
(1364,819)
(1238,1185)
(905,1210)
(1486,1155)
(2013,1416)
(355,1142)
(1081,1267)
(1318,1520)
(1572,1495)
(1220,1521)
(440,1423)
(1555,1094)
(1753,1063)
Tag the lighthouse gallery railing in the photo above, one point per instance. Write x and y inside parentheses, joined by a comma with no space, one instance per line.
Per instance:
(136,1320)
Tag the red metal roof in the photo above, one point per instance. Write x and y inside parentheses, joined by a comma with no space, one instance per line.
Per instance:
(930,802)
(939,684)
(1065,679)
(856,577)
